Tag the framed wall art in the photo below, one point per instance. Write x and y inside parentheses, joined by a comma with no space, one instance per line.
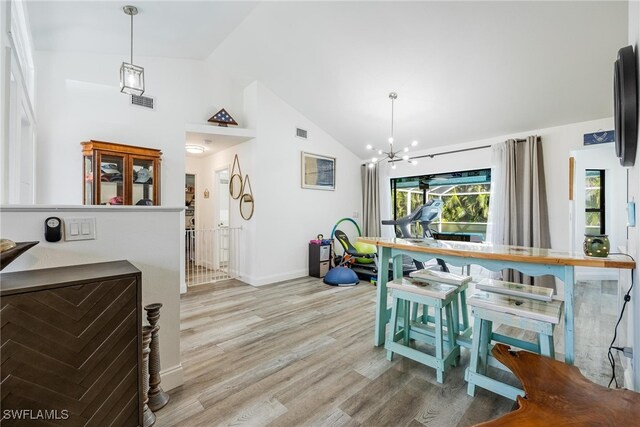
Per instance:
(318,172)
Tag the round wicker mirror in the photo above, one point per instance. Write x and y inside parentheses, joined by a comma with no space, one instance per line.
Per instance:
(235,186)
(246,200)
(235,182)
(246,206)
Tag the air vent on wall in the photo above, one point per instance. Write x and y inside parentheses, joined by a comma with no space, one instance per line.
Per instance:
(143,101)
(301,133)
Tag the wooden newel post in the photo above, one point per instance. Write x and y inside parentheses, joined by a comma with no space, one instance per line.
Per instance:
(157,397)
(148,416)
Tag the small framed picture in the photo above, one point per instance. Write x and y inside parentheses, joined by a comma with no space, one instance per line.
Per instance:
(318,172)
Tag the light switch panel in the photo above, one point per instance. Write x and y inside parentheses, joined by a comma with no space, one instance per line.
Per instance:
(73,229)
(80,229)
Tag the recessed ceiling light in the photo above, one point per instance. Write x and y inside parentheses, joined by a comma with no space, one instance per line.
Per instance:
(194,149)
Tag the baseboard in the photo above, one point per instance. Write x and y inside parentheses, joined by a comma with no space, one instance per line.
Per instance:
(274,278)
(172,377)
(628,378)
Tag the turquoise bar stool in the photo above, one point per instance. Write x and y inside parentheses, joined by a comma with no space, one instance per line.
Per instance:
(461,326)
(519,310)
(459,308)
(403,329)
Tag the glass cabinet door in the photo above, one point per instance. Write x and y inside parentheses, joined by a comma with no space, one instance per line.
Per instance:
(117,174)
(142,189)
(88,180)
(111,189)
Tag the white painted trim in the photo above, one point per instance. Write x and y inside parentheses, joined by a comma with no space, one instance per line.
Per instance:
(88,208)
(172,377)
(274,278)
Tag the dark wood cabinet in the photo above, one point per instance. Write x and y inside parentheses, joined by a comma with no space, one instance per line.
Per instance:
(118,174)
(319,260)
(72,345)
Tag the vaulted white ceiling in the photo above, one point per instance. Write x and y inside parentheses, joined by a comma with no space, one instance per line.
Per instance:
(463,70)
(175,29)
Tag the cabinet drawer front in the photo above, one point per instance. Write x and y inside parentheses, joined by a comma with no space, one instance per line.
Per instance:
(73,352)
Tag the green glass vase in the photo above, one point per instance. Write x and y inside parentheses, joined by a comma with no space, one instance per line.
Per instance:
(596,245)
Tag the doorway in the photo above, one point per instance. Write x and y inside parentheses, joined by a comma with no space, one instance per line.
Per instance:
(599,198)
(222,197)
(221,178)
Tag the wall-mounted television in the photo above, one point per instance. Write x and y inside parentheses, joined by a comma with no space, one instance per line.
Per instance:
(625,104)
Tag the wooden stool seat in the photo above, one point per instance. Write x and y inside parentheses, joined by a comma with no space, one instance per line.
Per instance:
(515,289)
(557,394)
(516,311)
(518,306)
(441,296)
(434,290)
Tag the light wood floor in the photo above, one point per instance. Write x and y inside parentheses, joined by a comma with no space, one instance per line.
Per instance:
(300,353)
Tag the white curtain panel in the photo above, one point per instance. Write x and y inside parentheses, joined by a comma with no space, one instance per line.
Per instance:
(498,198)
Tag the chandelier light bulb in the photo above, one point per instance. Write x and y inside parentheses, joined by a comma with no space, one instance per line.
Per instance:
(369,146)
(375,159)
(390,140)
(393,165)
(380,152)
(414,143)
(406,149)
(414,162)
(405,157)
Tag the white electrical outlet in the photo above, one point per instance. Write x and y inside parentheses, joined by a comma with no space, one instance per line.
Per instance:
(79,229)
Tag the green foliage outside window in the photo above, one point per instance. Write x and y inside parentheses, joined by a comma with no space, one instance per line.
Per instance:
(593,207)
(461,207)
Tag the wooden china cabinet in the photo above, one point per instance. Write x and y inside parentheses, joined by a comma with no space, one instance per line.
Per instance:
(118,174)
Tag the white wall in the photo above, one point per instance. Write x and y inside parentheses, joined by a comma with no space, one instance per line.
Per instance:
(274,244)
(79,99)
(147,237)
(557,143)
(4,101)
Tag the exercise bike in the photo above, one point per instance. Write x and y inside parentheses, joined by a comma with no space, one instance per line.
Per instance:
(424,215)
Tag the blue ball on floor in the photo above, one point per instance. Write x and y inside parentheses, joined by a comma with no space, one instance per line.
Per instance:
(341,276)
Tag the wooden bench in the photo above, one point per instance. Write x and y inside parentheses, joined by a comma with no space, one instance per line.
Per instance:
(557,394)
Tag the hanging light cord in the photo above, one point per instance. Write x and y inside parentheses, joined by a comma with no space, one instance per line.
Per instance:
(390,144)
(131,38)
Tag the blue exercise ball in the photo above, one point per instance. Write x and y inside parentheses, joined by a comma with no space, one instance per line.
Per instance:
(341,276)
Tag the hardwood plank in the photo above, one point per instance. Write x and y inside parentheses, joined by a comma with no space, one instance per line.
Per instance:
(300,352)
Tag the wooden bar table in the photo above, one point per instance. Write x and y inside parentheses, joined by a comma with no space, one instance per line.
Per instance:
(529,261)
